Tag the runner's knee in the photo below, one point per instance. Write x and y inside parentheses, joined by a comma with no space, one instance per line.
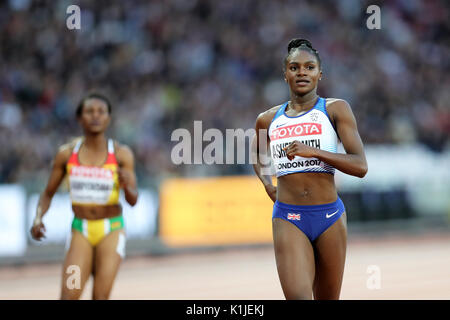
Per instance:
(302,293)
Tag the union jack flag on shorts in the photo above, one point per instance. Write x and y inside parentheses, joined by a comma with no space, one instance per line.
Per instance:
(293,216)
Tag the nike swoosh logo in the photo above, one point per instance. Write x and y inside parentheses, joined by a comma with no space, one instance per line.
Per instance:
(280,125)
(330,215)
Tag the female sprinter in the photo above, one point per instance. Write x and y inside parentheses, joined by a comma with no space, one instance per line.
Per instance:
(308,220)
(96,167)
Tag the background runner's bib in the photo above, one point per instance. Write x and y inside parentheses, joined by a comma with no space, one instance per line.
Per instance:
(312,128)
(91,185)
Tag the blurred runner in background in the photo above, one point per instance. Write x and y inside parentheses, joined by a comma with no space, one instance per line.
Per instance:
(97,168)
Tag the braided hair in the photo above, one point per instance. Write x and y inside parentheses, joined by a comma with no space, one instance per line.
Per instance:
(302,44)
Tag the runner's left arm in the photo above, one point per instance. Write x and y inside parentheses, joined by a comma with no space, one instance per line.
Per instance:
(127,175)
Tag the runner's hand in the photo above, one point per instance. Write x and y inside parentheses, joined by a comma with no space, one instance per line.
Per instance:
(297,148)
(37,230)
(271,191)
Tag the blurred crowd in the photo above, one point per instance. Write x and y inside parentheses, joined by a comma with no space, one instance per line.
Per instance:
(167,63)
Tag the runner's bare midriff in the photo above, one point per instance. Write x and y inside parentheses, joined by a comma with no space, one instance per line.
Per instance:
(97,212)
(306,188)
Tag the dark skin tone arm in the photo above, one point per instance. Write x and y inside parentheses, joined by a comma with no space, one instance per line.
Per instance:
(127,176)
(56,176)
(262,125)
(354,161)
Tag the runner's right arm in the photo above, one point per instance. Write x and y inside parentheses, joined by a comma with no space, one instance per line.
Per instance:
(56,176)
(263,171)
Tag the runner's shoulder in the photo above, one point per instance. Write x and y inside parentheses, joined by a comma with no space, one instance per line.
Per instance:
(123,153)
(335,104)
(265,118)
(64,151)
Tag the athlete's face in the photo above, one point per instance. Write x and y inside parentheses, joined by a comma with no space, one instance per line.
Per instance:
(302,72)
(94,117)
